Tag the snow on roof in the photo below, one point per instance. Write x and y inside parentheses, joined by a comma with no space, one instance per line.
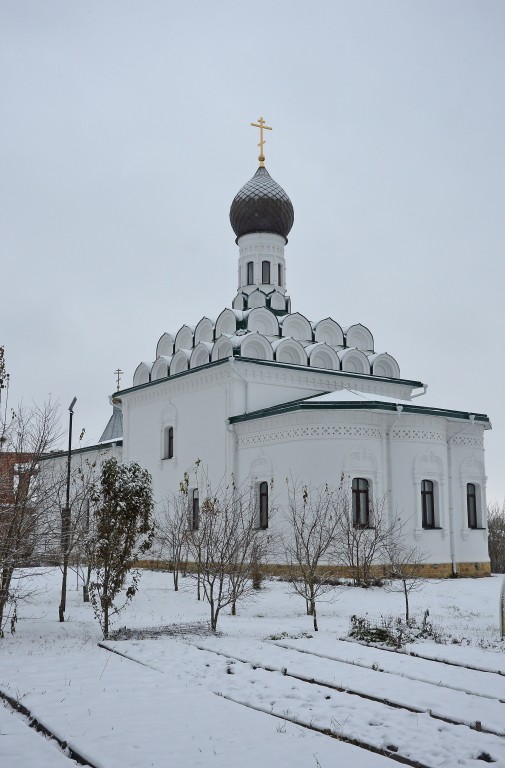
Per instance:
(350,395)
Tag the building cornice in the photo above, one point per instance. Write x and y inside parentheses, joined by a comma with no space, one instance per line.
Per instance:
(371,405)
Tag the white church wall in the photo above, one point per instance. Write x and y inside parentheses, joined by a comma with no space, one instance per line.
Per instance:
(196,411)
(319,448)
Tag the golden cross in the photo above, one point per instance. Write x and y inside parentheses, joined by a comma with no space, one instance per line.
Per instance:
(261,125)
(118,373)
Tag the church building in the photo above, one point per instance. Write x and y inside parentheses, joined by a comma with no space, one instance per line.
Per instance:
(262,393)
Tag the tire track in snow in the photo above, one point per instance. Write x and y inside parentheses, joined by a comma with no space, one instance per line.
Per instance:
(351,691)
(416,655)
(481,750)
(32,722)
(310,726)
(399,673)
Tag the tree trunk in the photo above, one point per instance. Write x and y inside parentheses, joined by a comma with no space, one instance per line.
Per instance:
(314,615)
(406,594)
(234,608)
(85,588)
(106,621)
(63,600)
(4,591)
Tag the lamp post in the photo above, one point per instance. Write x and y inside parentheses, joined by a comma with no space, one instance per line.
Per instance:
(65,519)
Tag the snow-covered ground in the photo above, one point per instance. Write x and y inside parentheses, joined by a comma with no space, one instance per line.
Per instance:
(261,692)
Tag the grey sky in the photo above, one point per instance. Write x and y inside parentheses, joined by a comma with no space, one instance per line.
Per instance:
(125,135)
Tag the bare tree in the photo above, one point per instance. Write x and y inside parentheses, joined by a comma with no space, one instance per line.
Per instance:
(359,545)
(172,533)
(404,564)
(70,528)
(25,529)
(496,540)
(313,518)
(228,539)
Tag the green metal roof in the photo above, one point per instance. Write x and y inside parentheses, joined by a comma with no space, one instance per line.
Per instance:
(272,363)
(365,405)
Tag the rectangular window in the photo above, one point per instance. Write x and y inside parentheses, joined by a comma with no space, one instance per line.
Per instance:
(471,505)
(279,274)
(195,509)
(263,505)
(250,273)
(265,272)
(360,503)
(168,443)
(428,503)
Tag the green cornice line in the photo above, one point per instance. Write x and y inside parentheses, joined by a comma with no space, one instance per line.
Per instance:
(366,405)
(275,364)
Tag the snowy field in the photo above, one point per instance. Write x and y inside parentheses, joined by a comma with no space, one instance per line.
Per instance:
(265,691)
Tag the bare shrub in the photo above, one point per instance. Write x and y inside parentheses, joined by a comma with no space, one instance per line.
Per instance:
(313,518)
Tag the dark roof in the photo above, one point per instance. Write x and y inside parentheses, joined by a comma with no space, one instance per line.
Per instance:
(373,405)
(114,428)
(261,206)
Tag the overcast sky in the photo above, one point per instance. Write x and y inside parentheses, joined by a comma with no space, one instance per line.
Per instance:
(125,135)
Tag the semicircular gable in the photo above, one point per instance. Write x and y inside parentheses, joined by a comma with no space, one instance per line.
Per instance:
(142,374)
(384,365)
(226,323)
(297,326)
(222,348)
(180,361)
(160,368)
(263,321)
(321,355)
(330,332)
(184,338)
(359,336)
(165,345)
(204,330)
(289,351)
(240,301)
(255,345)
(277,301)
(354,361)
(256,299)
(199,356)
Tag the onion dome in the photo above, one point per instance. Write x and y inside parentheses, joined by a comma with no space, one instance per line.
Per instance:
(261,206)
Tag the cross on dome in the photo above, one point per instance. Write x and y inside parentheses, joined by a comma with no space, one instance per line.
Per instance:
(261,125)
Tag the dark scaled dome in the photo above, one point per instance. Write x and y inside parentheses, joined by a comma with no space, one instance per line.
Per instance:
(261,206)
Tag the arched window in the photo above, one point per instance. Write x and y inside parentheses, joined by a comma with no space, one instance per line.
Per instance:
(168,443)
(265,272)
(428,503)
(195,510)
(471,504)
(279,274)
(263,505)
(250,273)
(360,503)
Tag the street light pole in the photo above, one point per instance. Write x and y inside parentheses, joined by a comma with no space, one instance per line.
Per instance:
(65,519)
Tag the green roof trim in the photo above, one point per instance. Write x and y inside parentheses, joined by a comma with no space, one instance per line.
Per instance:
(274,364)
(86,449)
(366,405)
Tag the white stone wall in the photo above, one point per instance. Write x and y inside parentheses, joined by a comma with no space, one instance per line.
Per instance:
(394,451)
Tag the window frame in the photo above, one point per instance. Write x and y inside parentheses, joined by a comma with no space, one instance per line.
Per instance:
(472,506)
(265,271)
(279,275)
(168,442)
(427,500)
(263,505)
(360,497)
(250,273)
